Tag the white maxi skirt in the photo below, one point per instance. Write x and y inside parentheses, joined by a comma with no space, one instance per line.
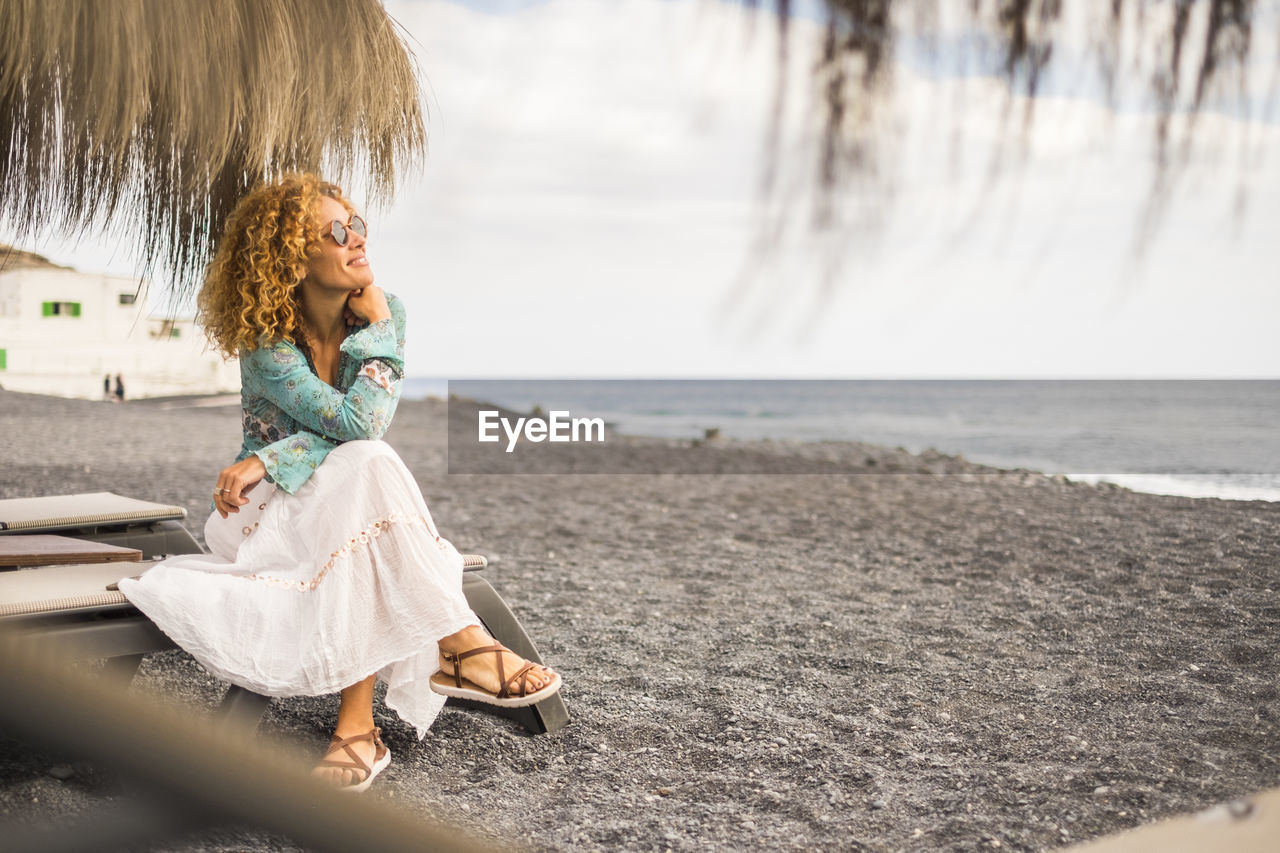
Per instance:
(308,593)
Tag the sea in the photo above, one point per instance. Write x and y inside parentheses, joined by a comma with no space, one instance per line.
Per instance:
(1198,438)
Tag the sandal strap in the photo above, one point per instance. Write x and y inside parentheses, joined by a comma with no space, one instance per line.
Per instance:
(456,658)
(356,763)
(453,657)
(523,675)
(505,691)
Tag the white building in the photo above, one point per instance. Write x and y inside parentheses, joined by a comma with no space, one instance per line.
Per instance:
(62,332)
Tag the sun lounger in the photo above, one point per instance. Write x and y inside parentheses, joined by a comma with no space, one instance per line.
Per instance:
(76,605)
(155,529)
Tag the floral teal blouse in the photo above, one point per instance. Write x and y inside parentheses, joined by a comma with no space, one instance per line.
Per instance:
(293,418)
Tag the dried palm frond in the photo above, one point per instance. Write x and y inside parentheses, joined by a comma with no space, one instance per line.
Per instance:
(152,117)
(852,80)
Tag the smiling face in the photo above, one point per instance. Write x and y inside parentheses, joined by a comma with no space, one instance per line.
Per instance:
(333,267)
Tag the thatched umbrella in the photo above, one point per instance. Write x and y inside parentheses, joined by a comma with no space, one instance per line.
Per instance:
(148,119)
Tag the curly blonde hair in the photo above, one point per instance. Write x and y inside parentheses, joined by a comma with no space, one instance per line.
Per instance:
(250,295)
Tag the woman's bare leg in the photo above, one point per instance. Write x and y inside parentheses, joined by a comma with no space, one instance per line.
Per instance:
(483,669)
(355,717)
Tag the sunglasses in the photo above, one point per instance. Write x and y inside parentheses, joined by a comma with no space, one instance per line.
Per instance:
(338,231)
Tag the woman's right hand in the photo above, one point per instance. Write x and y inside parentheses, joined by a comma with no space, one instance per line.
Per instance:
(234,482)
(369,304)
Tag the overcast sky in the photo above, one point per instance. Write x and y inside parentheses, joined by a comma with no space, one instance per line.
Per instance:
(591,199)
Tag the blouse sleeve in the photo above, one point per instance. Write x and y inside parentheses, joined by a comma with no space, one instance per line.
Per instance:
(293,459)
(282,375)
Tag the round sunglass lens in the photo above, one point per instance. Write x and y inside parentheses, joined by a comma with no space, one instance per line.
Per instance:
(338,232)
(358,226)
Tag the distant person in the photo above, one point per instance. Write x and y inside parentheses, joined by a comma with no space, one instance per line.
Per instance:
(119,388)
(334,572)
(106,387)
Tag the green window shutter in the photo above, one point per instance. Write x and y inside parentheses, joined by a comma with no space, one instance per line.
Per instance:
(47,309)
(75,309)
(3,360)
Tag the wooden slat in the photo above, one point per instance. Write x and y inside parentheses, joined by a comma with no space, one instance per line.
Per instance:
(64,589)
(61,512)
(44,549)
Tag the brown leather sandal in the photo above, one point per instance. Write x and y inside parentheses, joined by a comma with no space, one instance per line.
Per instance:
(381,758)
(514,692)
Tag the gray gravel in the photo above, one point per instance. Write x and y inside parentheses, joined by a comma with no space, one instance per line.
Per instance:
(943,657)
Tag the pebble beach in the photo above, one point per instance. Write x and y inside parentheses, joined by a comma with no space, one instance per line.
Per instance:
(929,655)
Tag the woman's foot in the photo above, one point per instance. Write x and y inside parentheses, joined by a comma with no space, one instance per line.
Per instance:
(485,666)
(353,760)
(344,765)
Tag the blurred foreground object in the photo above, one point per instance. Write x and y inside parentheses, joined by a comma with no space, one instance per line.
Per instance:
(187,774)
(1250,825)
(148,119)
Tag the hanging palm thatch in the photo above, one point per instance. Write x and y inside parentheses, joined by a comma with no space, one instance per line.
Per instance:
(148,119)
(1199,59)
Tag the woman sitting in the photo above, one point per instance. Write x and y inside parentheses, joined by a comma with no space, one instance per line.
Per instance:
(326,570)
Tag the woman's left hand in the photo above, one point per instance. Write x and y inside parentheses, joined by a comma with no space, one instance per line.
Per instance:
(369,304)
(234,482)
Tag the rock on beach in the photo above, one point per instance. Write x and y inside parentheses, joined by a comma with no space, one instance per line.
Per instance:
(931,655)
